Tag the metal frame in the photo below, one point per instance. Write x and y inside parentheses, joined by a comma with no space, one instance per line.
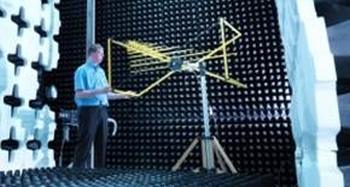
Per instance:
(90,39)
(90,24)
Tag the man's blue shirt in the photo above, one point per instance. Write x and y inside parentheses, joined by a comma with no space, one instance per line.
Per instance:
(90,76)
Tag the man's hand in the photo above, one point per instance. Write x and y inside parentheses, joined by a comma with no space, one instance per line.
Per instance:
(130,93)
(124,95)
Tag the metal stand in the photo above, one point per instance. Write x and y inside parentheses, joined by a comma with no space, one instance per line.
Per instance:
(209,143)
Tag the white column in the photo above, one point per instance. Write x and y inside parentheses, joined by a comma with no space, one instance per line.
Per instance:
(314,108)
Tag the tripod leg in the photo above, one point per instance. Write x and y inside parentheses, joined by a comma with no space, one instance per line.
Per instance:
(204,158)
(221,162)
(185,155)
(224,155)
(207,153)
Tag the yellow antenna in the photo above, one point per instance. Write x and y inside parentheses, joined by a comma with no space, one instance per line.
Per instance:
(141,53)
(134,46)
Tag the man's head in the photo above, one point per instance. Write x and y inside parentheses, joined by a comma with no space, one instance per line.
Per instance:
(95,52)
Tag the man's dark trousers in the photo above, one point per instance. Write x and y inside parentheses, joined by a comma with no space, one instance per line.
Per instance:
(92,128)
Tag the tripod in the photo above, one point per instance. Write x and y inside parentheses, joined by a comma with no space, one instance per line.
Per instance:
(210,145)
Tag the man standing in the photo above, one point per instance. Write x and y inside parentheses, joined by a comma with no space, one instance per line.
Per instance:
(91,96)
